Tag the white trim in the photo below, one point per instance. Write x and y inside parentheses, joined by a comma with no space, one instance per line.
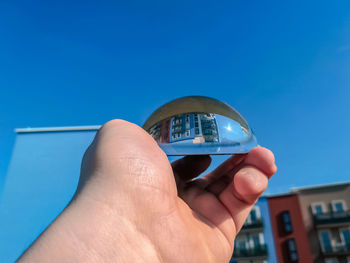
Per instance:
(258,213)
(334,202)
(261,238)
(59,129)
(317,204)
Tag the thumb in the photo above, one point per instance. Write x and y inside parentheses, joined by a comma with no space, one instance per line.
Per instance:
(124,175)
(125,162)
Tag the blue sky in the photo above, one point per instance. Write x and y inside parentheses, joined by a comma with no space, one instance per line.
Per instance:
(285,66)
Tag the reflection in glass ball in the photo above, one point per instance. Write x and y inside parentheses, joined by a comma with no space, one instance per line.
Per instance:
(200,125)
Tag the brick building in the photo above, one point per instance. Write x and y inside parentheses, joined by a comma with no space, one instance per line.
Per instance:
(290,236)
(326,216)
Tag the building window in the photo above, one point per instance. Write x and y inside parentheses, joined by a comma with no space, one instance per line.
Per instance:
(240,244)
(325,240)
(331,260)
(292,248)
(345,236)
(338,206)
(255,241)
(318,208)
(287,222)
(348,260)
(254,215)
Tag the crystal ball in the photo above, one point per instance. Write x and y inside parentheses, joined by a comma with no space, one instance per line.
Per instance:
(198,125)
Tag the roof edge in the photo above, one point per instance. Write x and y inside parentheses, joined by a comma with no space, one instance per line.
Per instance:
(298,189)
(58,129)
(279,195)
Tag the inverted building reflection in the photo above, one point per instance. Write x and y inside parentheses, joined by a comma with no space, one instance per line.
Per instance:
(200,125)
(198,129)
(192,127)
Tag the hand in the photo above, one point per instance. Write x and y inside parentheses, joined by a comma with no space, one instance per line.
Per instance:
(132,205)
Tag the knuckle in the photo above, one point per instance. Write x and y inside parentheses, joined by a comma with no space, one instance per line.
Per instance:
(269,154)
(113,124)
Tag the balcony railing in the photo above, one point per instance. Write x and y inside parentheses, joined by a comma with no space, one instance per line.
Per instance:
(332,218)
(339,249)
(260,251)
(253,224)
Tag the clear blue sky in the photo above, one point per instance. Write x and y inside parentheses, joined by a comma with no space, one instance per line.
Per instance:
(284,65)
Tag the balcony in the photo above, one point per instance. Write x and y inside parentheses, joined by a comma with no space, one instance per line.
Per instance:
(338,250)
(256,225)
(256,252)
(332,218)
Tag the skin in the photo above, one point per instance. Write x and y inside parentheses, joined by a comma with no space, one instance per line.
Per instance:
(132,205)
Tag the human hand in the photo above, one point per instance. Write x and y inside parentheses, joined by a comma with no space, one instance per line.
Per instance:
(132,205)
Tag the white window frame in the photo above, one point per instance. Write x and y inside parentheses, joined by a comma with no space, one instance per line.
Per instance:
(314,204)
(250,239)
(334,202)
(262,239)
(342,235)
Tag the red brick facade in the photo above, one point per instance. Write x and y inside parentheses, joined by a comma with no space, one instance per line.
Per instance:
(290,236)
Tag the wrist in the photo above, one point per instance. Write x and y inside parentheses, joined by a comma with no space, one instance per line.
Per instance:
(100,234)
